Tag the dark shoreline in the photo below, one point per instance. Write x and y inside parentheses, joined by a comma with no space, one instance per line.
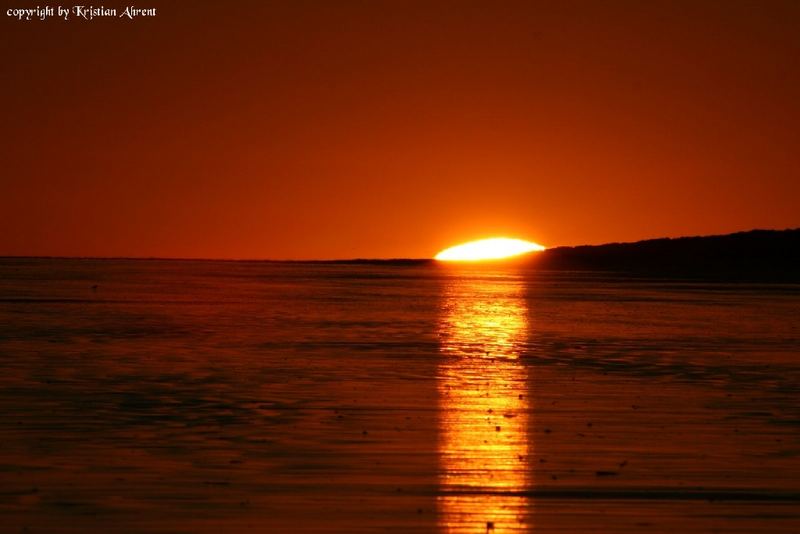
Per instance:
(756,255)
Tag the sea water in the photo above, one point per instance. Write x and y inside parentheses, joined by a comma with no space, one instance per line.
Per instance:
(210,396)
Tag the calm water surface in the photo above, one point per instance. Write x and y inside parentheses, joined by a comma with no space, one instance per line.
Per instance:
(157,396)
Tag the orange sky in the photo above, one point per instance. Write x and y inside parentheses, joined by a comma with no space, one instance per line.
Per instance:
(338,129)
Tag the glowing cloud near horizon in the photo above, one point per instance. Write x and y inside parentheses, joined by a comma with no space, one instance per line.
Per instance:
(488,249)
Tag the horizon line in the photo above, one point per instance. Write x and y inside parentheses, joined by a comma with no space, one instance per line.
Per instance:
(170,258)
(357,259)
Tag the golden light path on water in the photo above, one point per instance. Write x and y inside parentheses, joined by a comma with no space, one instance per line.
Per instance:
(483,443)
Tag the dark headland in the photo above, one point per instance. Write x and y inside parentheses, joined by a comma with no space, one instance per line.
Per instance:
(757,255)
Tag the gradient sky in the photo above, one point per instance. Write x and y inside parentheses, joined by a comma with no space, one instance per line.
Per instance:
(336,129)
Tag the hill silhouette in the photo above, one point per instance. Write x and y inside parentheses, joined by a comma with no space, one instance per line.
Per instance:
(762,255)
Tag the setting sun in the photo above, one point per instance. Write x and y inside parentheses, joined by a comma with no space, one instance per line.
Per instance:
(488,249)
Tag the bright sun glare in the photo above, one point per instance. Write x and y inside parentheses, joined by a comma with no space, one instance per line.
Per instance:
(488,249)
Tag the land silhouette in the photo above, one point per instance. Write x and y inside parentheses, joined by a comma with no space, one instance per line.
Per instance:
(762,255)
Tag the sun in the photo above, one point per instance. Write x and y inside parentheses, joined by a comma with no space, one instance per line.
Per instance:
(494,248)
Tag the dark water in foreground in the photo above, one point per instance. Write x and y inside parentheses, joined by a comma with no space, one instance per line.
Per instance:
(258,397)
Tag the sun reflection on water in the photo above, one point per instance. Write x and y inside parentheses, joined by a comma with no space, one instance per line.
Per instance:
(483,445)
